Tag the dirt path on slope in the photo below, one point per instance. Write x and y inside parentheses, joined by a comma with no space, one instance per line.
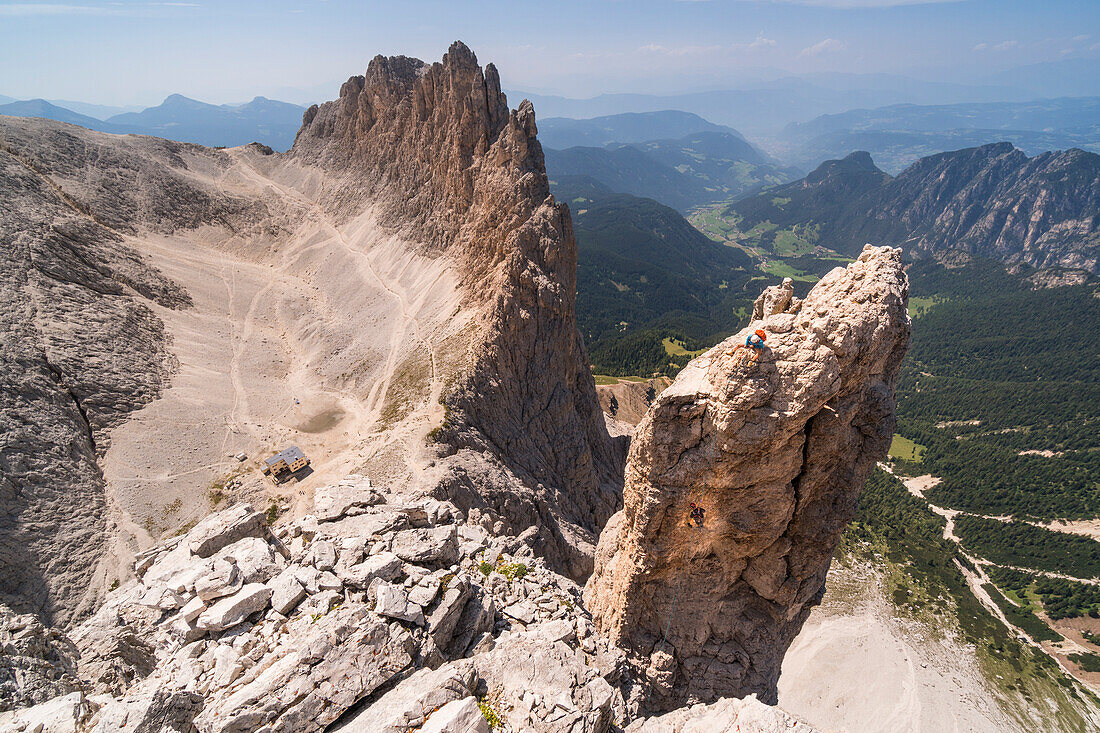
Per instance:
(292,339)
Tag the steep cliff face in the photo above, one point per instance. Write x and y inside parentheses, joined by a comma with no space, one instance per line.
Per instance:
(437,150)
(991,201)
(80,349)
(775,452)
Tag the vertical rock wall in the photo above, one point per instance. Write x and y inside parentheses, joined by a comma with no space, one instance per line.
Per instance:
(776,452)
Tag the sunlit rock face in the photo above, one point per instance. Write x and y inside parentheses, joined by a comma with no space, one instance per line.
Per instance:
(775,450)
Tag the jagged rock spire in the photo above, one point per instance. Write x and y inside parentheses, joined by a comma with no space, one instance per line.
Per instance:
(776,452)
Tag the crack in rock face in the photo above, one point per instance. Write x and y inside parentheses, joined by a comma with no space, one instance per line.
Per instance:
(775,450)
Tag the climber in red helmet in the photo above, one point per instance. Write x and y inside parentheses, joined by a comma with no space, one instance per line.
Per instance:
(697,514)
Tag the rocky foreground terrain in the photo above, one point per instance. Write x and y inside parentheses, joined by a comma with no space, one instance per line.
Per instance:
(395,293)
(373,615)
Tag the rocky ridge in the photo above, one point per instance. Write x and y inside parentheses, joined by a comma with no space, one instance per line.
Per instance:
(775,452)
(992,201)
(375,614)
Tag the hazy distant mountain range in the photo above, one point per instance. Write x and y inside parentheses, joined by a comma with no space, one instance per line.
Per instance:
(800,120)
(629,127)
(898,135)
(698,169)
(180,118)
(677,158)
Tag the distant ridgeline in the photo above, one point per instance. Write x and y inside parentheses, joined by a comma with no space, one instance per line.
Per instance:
(262,120)
(991,201)
(646,277)
(677,158)
(899,135)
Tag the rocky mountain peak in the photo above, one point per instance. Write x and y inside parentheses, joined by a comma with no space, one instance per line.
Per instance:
(445,163)
(774,450)
(857,163)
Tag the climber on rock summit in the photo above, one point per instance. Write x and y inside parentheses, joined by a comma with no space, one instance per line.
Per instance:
(754,344)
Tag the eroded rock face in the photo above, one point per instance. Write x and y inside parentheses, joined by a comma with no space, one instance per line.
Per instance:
(776,453)
(447,163)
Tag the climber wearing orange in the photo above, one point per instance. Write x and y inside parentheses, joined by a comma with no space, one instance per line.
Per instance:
(754,344)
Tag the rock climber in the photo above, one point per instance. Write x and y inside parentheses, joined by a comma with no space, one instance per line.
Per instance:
(756,340)
(698,513)
(754,345)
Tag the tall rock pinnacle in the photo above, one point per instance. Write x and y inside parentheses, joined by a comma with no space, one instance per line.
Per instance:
(776,452)
(445,163)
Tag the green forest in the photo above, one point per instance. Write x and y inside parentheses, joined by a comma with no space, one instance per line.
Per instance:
(1024,545)
(1060,598)
(998,372)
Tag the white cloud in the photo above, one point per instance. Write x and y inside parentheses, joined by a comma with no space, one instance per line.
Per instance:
(829,45)
(1002,46)
(761,41)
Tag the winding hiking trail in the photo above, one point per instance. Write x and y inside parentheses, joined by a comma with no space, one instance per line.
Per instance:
(977,578)
(377,395)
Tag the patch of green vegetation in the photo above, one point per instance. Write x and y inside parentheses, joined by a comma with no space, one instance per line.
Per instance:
(486,568)
(490,711)
(780,201)
(272,513)
(798,240)
(1022,617)
(513,571)
(781,269)
(675,347)
(1086,661)
(919,304)
(902,448)
(1058,597)
(1024,545)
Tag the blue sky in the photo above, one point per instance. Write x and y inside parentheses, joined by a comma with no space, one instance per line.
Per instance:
(138,52)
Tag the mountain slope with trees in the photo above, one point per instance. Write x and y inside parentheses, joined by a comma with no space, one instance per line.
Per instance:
(992,201)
